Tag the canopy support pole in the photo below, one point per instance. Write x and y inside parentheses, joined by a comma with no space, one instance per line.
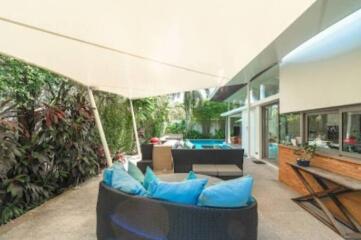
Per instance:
(100,128)
(135,128)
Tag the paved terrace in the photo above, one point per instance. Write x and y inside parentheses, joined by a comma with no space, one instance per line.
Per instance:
(71,216)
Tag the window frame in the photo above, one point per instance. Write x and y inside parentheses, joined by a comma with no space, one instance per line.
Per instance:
(306,130)
(300,127)
(342,111)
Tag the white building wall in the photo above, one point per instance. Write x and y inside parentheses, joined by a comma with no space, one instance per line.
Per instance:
(324,74)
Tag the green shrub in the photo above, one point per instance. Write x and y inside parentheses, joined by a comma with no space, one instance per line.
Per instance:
(48,139)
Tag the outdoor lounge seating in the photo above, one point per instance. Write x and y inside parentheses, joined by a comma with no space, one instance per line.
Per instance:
(184,159)
(123,216)
(147,157)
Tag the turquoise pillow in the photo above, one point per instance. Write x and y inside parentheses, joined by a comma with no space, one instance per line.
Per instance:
(122,181)
(108,173)
(149,177)
(228,194)
(186,192)
(191,175)
(107,176)
(135,172)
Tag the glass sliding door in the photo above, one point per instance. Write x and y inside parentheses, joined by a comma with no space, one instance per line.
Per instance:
(270,133)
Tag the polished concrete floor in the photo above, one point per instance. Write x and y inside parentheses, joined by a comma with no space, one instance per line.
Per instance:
(71,216)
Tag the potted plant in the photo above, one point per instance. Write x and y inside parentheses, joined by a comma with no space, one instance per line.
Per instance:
(305,154)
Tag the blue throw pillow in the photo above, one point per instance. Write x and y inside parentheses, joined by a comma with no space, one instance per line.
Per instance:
(135,172)
(107,176)
(228,194)
(122,181)
(186,192)
(149,177)
(108,173)
(191,175)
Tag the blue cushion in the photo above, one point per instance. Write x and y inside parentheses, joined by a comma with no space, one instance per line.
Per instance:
(149,177)
(228,194)
(107,176)
(186,192)
(135,172)
(108,173)
(122,181)
(191,175)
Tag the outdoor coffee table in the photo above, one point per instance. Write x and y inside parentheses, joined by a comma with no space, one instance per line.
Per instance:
(224,171)
(177,177)
(350,228)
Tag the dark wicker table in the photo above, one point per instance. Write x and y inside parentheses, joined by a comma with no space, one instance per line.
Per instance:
(177,177)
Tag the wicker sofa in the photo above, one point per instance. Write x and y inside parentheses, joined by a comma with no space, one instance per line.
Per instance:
(183,159)
(147,157)
(125,217)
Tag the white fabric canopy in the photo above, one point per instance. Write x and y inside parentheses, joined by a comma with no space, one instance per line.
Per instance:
(140,48)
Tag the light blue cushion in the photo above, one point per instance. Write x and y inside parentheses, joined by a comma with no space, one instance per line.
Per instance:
(107,176)
(149,177)
(228,194)
(186,192)
(122,181)
(135,172)
(191,175)
(108,173)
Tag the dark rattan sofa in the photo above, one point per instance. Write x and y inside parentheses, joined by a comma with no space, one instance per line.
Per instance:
(183,159)
(147,157)
(124,217)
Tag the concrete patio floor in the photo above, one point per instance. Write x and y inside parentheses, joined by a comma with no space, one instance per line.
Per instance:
(71,216)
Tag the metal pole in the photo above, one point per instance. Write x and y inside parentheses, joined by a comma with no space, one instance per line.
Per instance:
(100,128)
(249,119)
(135,128)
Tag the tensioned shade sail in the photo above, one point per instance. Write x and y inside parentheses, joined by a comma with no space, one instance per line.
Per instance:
(140,48)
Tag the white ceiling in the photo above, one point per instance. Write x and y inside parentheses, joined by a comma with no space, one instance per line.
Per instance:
(317,18)
(143,48)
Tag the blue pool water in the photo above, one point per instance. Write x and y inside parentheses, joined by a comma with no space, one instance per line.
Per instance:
(208,143)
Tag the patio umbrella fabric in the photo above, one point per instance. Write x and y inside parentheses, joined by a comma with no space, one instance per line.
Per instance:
(144,48)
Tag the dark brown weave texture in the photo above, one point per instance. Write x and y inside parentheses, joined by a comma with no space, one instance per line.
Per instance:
(124,217)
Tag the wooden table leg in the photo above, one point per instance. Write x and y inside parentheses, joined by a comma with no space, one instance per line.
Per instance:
(329,215)
(333,196)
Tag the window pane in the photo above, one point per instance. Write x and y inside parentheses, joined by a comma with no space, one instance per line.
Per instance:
(290,133)
(323,130)
(351,129)
(263,88)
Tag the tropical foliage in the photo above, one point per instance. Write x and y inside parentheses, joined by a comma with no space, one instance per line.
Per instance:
(151,115)
(48,141)
(198,112)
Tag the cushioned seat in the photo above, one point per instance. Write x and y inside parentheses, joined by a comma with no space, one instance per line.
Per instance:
(224,171)
(206,169)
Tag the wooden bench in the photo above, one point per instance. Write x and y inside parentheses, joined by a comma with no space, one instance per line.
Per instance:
(223,171)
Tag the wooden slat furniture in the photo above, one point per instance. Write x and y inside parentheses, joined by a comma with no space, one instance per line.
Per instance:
(223,171)
(332,185)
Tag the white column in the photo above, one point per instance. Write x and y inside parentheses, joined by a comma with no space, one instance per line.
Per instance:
(228,129)
(249,119)
(262,91)
(100,128)
(135,129)
(349,124)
